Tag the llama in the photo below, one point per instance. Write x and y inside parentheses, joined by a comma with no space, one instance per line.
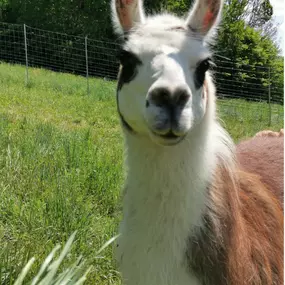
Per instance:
(193,214)
(269,133)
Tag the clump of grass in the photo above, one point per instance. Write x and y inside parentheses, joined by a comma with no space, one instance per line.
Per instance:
(52,183)
(48,273)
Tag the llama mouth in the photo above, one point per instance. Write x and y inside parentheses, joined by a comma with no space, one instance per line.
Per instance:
(170,135)
(168,139)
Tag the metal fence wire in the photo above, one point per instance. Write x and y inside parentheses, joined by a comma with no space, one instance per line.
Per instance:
(22,44)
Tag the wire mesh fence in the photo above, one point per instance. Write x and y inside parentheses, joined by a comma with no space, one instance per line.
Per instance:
(236,83)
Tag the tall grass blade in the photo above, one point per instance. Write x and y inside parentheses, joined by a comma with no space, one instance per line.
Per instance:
(24,272)
(111,240)
(45,264)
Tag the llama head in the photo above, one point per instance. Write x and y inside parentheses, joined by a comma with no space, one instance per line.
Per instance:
(162,92)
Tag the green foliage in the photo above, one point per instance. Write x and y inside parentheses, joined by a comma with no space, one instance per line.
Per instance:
(246,44)
(71,17)
(48,273)
(266,11)
(254,57)
(179,8)
(259,13)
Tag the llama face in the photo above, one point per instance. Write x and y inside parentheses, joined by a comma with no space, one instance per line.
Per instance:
(161,90)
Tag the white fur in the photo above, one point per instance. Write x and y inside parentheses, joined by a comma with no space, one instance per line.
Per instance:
(165,187)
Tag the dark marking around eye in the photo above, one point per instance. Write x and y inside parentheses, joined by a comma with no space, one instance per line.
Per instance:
(128,70)
(129,63)
(200,72)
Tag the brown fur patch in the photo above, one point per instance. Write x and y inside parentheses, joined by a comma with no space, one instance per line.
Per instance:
(264,156)
(256,243)
(241,242)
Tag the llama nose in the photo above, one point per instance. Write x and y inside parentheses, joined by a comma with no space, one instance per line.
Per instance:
(163,97)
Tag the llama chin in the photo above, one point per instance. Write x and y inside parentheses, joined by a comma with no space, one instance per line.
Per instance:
(196,208)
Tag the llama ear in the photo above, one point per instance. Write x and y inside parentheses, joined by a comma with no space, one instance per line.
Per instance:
(126,13)
(204,16)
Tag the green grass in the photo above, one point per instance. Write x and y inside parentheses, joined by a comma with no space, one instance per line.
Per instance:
(244,119)
(61,167)
(49,271)
(60,170)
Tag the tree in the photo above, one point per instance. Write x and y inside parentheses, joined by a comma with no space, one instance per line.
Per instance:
(258,13)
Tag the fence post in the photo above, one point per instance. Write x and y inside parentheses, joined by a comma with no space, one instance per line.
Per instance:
(26,54)
(86,59)
(269,95)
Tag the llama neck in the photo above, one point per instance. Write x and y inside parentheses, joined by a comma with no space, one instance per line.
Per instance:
(170,179)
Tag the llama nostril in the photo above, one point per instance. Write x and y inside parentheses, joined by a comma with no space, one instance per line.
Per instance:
(160,96)
(181,96)
(147,103)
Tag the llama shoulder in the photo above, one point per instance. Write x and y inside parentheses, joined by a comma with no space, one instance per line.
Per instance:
(242,232)
(264,156)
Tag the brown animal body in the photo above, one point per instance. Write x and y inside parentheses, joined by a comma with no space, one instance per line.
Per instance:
(269,133)
(264,156)
(242,239)
(261,198)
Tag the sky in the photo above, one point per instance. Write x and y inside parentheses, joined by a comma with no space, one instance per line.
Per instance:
(278,14)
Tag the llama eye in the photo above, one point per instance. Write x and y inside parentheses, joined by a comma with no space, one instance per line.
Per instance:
(129,62)
(200,71)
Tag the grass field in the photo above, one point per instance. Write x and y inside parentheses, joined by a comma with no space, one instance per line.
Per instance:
(61,166)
